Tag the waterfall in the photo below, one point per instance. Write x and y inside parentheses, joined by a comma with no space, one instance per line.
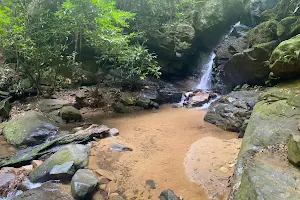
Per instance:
(205,82)
(206,72)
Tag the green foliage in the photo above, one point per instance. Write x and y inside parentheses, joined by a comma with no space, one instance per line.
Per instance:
(44,45)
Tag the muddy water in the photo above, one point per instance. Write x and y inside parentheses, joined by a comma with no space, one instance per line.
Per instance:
(173,147)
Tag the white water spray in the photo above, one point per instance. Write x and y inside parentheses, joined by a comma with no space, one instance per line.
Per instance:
(205,82)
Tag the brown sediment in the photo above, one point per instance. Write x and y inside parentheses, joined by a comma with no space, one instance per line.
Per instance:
(173,147)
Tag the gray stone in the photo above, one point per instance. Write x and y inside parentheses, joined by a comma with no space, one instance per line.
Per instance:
(48,105)
(168,195)
(76,153)
(49,191)
(69,113)
(83,183)
(63,171)
(294,149)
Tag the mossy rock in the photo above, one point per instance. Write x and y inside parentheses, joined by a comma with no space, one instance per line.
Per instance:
(285,59)
(74,152)
(49,105)
(263,33)
(274,118)
(5,108)
(288,27)
(69,113)
(283,9)
(31,128)
(294,149)
(128,99)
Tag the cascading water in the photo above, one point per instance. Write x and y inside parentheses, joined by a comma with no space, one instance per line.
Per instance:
(205,82)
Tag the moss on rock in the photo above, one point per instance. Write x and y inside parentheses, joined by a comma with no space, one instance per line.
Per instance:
(263,33)
(288,27)
(285,59)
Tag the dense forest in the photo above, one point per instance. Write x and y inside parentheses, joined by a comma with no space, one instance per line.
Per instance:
(204,95)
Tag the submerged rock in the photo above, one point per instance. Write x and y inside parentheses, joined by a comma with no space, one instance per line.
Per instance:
(83,183)
(49,191)
(29,129)
(231,111)
(59,163)
(168,195)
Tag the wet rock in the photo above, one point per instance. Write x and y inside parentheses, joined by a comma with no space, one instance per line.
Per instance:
(5,108)
(273,120)
(31,153)
(29,129)
(199,99)
(119,147)
(294,149)
(7,183)
(230,111)
(146,103)
(280,65)
(168,195)
(121,108)
(69,113)
(83,183)
(49,191)
(49,105)
(76,153)
(150,93)
(151,184)
(95,129)
(169,94)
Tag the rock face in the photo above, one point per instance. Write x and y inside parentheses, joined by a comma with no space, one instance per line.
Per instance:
(215,15)
(263,33)
(29,129)
(254,8)
(249,67)
(273,120)
(285,59)
(83,183)
(232,111)
(75,153)
(49,191)
(288,27)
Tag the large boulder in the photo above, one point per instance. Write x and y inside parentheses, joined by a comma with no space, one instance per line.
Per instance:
(49,191)
(69,113)
(269,176)
(31,128)
(76,153)
(254,8)
(288,27)
(83,183)
(273,120)
(263,33)
(49,105)
(249,67)
(285,59)
(231,111)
